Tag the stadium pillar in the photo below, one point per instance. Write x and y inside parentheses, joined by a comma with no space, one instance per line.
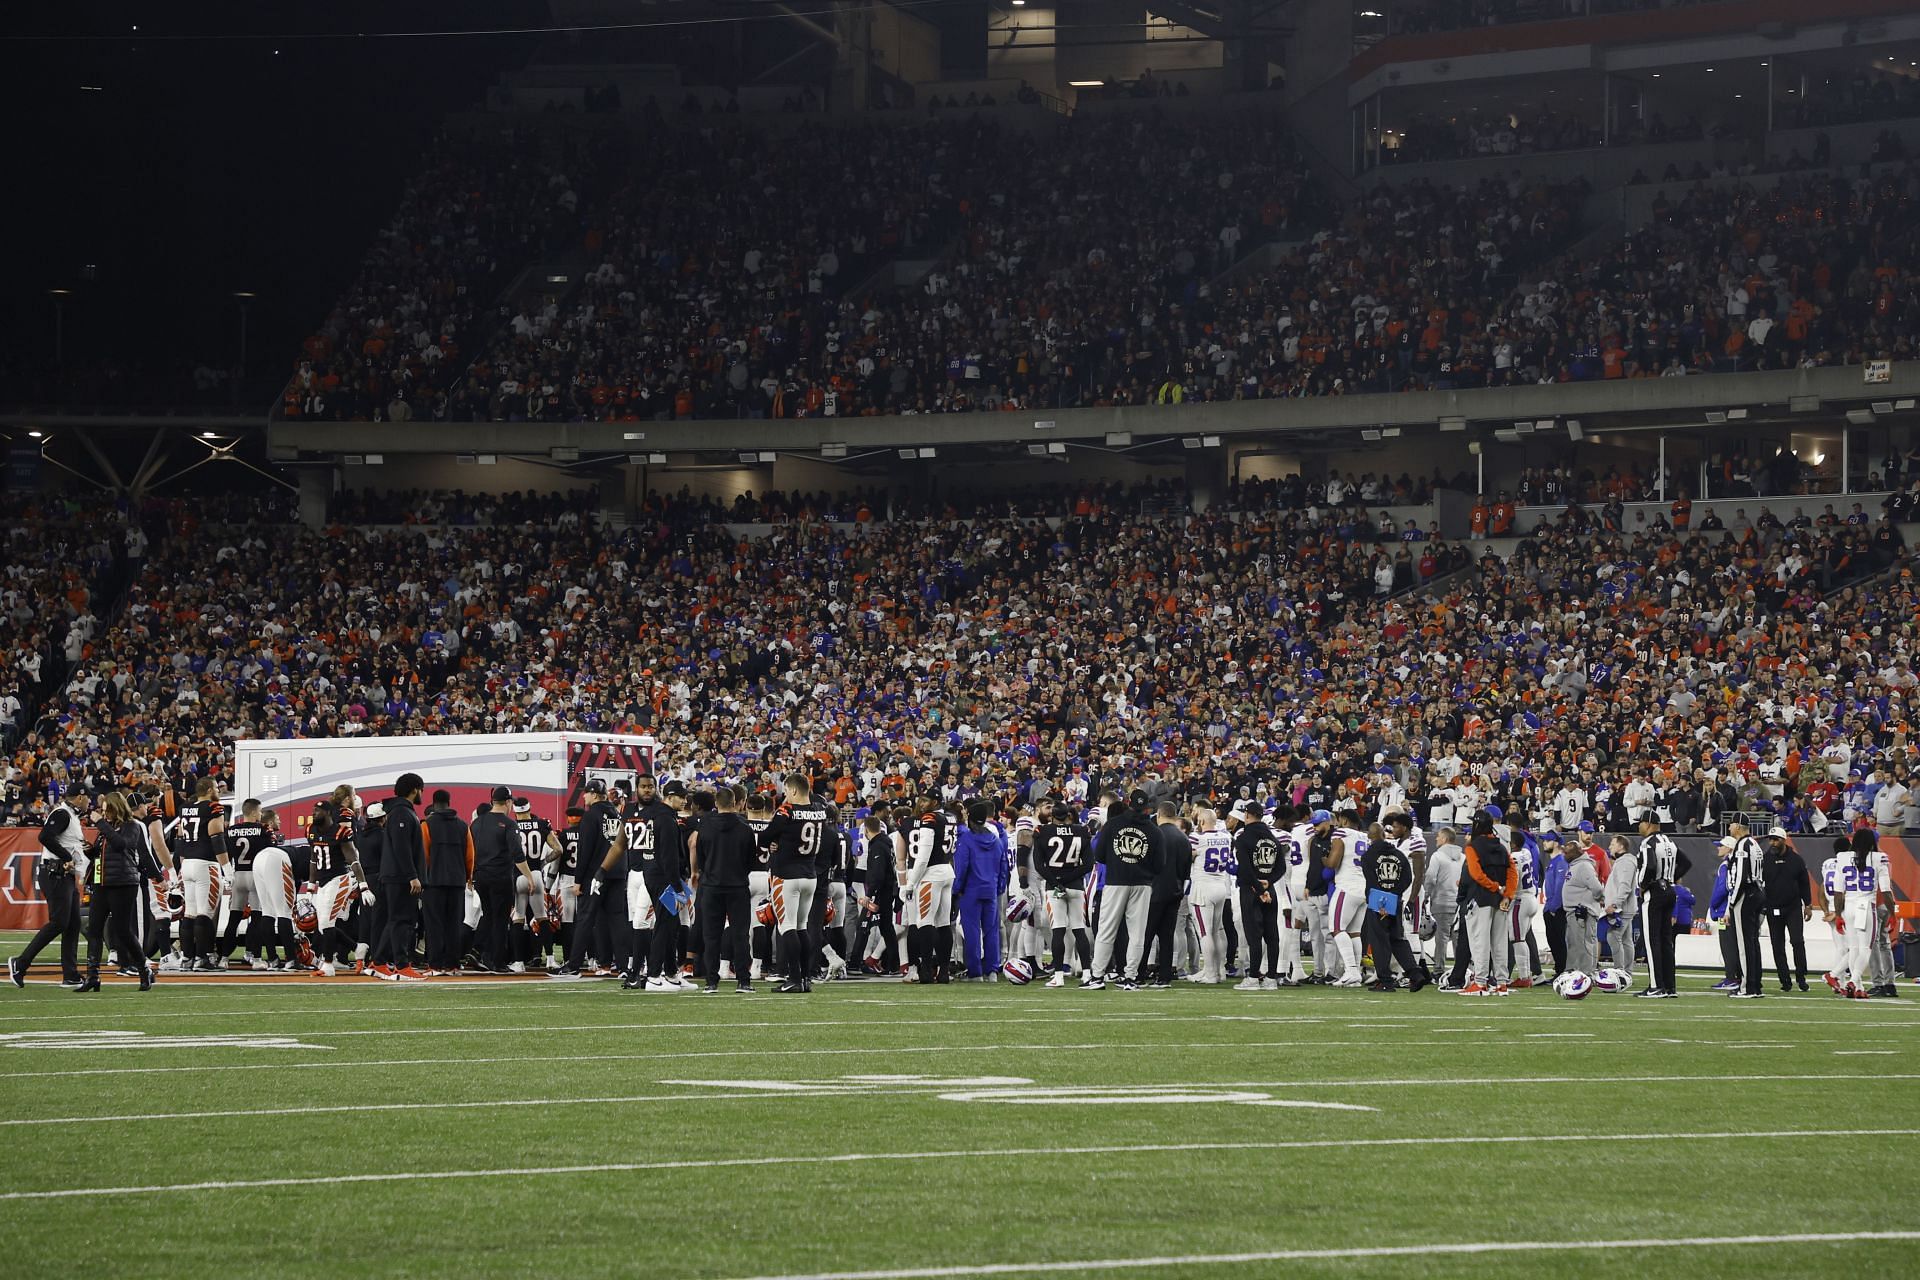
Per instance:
(316,485)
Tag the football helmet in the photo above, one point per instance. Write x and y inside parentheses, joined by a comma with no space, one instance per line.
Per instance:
(1573,985)
(305,918)
(1019,907)
(1613,981)
(1017,971)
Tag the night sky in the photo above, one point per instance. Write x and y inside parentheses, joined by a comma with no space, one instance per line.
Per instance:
(200,167)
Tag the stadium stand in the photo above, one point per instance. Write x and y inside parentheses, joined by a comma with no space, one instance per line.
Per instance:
(1231,650)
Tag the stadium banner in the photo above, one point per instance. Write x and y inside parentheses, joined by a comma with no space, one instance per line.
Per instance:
(21,904)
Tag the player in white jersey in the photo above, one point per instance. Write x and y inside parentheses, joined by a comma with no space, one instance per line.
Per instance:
(1346,905)
(1023,936)
(1211,884)
(1306,909)
(1858,887)
(1829,911)
(1526,909)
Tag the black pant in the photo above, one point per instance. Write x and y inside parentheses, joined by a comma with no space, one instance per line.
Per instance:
(1163,917)
(63,922)
(443,910)
(663,951)
(1787,923)
(586,912)
(1730,952)
(1746,913)
(724,907)
(881,919)
(1262,923)
(376,923)
(120,905)
(1557,939)
(1386,936)
(496,905)
(1659,931)
(403,921)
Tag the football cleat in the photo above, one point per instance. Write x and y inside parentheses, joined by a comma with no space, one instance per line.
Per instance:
(1059,979)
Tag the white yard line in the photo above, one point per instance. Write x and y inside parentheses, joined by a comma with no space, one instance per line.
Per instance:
(1376,1251)
(1002,1153)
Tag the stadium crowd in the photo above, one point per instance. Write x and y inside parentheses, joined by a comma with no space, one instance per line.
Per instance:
(1042,295)
(1242,653)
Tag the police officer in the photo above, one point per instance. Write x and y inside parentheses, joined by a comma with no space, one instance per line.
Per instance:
(1789,903)
(61,873)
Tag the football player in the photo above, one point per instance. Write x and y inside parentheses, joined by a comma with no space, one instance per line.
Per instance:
(1061,848)
(1210,884)
(245,837)
(797,836)
(1347,904)
(539,847)
(199,840)
(273,885)
(930,888)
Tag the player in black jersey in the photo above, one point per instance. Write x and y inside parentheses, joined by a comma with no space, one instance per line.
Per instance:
(335,880)
(199,843)
(598,863)
(1063,855)
(246,837)
(760,893)
(797,837)
(655,863)
(930,846)
(563,906)
(539,848)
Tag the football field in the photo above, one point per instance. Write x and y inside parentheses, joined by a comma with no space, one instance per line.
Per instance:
(351,1128)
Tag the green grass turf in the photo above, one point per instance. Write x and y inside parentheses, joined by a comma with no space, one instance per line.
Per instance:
(1540,1066)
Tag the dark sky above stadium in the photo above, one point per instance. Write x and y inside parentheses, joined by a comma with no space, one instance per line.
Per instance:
(174,153)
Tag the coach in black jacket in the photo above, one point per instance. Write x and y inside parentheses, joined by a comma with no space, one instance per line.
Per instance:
(1789,905)
(402,862)
(724,856)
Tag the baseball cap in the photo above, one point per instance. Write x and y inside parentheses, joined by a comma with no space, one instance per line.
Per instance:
(1319,816)
(1777,831)
(595,787)
(1587,827)
(1495,812)
(501,795)
(674,788)
(376,810)
(1726,842)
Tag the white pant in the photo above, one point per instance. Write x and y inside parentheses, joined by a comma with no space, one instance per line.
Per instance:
(936,896)
(1128,904)
(1345,905)
(244,897)
(1209,918)
(1526,908)
(1859,916)
(1293,919)
(333,901)
(793,903)
(200,884)
(1067,908)
(273,884)
(1326,957)
(640,903)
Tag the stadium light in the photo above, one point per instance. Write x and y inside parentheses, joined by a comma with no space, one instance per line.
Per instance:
(908,454)
(1190,442)
(487,459)
(633,435)
(926,453)
(1119,439)
(1086,84)
(834,450)
(1453,424)
(1860,417)
(1883,406)
(1056,447)
(1212,442)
